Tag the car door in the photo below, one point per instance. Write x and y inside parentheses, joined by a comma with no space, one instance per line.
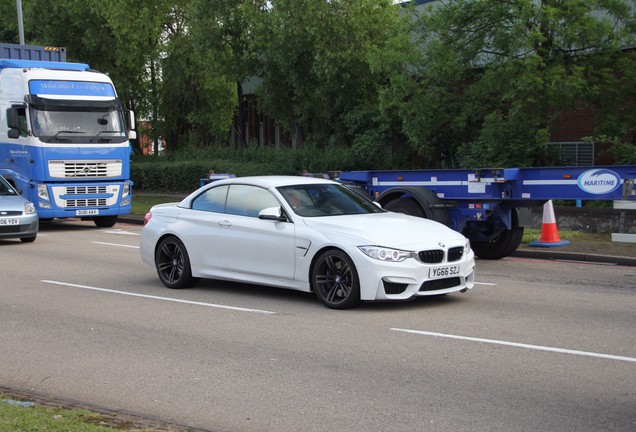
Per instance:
(254,246)
(199,228)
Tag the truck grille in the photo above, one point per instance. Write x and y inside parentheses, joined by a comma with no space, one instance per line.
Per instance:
(81,196)
(83,190)
(85,169)
(94,202)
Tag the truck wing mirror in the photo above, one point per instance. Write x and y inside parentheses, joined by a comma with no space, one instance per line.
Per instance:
(12,118)
(131,120)
(13,123)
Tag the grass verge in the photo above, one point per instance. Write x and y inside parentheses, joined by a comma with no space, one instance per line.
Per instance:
(20,415)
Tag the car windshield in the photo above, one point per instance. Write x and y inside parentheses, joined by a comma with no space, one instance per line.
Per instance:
(5,188)
(73,123)
(315,200)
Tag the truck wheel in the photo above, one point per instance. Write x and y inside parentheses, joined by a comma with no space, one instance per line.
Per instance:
(503,245)
(105,221)
(405,205)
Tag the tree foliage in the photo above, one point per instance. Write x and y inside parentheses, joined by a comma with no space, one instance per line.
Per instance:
(493,75)
(315,63)
(451,82)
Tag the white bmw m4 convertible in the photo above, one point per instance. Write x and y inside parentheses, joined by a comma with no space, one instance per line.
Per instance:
(306,234)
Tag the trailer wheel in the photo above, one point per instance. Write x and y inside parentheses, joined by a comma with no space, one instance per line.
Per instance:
(422,203)
(105,221)
(503,245)
(405,205)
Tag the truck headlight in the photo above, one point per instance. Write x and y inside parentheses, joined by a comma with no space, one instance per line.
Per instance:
(385,254)
(126,191)
(43,192)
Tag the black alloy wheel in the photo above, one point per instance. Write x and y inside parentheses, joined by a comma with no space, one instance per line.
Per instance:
(173,264)
(335,280)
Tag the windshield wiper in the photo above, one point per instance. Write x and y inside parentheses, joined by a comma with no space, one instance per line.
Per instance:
(67,132)
(102,132)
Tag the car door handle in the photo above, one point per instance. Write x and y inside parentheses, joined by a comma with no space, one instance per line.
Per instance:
(224,223)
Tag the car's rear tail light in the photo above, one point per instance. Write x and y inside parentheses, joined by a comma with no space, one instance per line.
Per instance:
(147,218)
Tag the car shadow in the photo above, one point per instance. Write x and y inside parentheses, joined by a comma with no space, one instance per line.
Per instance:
(288,296)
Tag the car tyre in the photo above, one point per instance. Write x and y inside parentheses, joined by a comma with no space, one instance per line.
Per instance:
(335,280)
(28,239)
(173,264)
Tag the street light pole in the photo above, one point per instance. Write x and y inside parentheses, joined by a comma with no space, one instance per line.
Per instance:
(18,4)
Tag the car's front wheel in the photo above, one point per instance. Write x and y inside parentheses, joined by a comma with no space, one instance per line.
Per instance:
(173,264)
(335,280)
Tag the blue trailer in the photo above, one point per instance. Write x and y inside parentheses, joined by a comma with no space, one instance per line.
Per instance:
(490,206)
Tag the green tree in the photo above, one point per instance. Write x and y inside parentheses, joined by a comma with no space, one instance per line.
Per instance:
(223,36)
(492,75)
(316,66)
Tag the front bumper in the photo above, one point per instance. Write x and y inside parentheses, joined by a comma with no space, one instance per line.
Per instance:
(412,278)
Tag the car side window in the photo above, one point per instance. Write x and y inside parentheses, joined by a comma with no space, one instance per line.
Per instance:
(212,200)
(247,200)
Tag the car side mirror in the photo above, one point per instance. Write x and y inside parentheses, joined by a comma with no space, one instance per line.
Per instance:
(272,213)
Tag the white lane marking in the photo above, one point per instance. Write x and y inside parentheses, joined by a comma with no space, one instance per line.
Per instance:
(212,305)
(121,232)
(485,283)
(519,345)
(116,244)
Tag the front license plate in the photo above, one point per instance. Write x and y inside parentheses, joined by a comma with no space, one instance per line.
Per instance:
(9,221)
(86,212)
(443,272)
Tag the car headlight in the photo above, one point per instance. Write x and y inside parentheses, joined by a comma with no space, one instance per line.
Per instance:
(29,208)
(385,254)
(467,247)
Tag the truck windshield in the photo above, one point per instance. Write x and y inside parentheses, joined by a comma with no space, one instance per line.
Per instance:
(77,124)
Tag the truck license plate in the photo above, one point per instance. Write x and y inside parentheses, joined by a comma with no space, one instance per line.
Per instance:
(86,212)
(9,221)
(443,272)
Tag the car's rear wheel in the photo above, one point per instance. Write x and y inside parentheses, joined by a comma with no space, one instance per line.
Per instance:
(173,264)
(335,280)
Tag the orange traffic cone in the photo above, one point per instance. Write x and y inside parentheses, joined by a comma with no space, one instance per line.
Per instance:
(549,233)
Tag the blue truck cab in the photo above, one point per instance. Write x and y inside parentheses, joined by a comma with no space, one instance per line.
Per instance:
(64,137)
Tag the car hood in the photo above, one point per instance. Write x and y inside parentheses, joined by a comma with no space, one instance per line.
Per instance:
(387,229)
(12,203)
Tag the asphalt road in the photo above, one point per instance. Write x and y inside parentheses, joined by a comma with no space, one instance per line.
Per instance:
(537,346)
